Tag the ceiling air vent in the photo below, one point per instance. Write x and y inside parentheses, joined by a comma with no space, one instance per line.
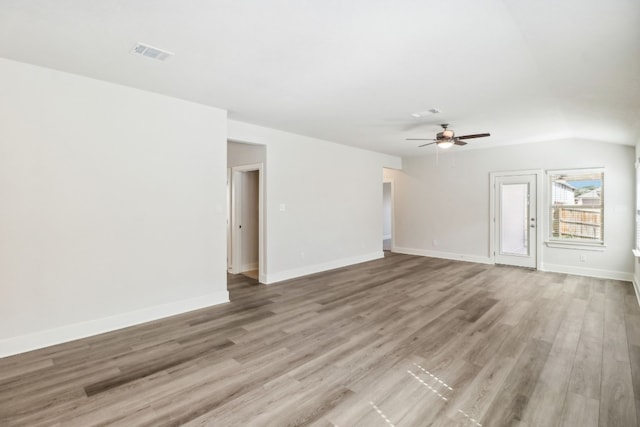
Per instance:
(428,112)
(150,52)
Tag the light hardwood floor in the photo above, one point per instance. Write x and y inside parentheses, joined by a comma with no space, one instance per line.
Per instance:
(402,341)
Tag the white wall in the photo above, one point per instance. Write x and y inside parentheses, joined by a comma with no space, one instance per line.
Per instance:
(113,206)
(239,154)
(331,194)
(448,202)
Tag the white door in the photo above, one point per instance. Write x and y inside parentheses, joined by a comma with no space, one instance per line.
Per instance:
(515,220)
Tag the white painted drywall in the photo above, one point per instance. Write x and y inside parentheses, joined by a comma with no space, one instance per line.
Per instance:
(322,201)
(442,206)
(239,154)
(113,206)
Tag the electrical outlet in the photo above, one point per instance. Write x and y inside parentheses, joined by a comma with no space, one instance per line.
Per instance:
(434,242)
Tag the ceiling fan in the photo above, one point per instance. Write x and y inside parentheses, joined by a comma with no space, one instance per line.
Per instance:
(447,138)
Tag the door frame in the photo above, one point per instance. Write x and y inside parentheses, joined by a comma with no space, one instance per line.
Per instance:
(539,174)
(236,214)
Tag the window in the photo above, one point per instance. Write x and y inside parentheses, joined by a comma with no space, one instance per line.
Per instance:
(576,206)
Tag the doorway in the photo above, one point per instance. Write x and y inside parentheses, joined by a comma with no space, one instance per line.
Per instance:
(246,222)
(515,211)
(387,216)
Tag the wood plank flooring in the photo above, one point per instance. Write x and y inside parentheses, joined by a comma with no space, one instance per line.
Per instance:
(402,341)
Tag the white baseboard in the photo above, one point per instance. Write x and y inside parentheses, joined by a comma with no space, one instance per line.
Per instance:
(386,237)
(555,268)
(249,267)
(444,255)
(33,341)
(591,272)
(317,268)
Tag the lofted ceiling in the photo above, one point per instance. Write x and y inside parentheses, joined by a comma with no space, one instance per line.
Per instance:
(352,71)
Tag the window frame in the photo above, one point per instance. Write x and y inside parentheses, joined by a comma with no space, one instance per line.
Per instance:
(582,243)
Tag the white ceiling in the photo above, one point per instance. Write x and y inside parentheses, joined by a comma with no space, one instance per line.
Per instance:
(352,71)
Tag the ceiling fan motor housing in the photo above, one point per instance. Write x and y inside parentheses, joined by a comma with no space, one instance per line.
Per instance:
(445,134)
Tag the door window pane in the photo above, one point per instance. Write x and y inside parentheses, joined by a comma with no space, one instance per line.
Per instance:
(514,212)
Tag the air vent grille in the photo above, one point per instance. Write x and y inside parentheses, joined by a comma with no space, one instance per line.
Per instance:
(151,52)
(428,112)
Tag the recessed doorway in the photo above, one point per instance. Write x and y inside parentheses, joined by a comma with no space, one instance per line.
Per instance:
(387,216)
(245,222)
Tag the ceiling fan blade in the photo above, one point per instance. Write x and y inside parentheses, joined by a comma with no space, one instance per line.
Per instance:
(424,145)
(477,135)
(420,139)
(458,142)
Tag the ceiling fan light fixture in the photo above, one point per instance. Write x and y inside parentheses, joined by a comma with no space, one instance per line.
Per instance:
(445,144)
(447,138)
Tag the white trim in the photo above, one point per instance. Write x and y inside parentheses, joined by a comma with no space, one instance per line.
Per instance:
(552,268)
(317,268)
(591,272)
(579,171)
(539,173)
(598,247)
(387,236)
(249,267)
(36,340)
(444,255)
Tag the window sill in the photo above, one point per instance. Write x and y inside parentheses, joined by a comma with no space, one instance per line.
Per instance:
(600,247)
(636,252)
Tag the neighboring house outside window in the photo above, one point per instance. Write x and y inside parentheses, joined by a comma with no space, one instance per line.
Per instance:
(577,206)
(562,193)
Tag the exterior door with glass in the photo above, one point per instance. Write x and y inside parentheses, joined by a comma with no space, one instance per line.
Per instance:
(515,220)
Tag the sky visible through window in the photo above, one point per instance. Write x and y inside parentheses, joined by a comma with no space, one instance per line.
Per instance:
(585,183)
